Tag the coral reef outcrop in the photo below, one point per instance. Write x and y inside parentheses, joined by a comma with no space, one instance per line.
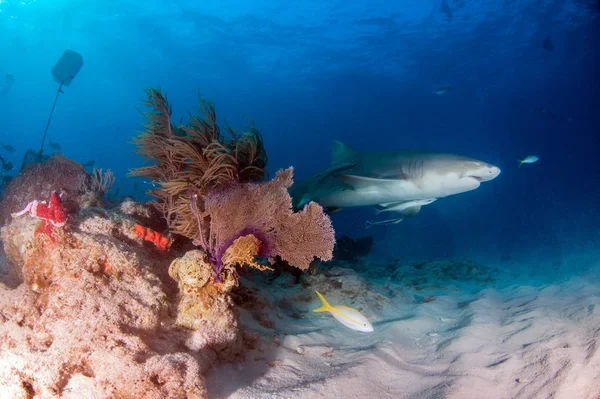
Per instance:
(107,303)
(96,314)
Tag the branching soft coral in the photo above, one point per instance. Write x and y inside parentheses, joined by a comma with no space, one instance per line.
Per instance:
(189,159)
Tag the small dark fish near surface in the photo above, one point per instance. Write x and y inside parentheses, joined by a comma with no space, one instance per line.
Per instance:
(55,146)
(8,82)
(445,9)
(8,148)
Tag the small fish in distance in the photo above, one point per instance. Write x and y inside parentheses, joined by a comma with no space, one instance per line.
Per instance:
(55,146)
(8,148)
(387,222)
(528,159)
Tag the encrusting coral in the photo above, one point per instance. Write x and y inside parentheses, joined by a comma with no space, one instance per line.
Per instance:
(39,179)
(52,213)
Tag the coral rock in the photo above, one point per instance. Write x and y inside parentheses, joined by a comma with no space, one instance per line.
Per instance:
(191,270)
(95,317)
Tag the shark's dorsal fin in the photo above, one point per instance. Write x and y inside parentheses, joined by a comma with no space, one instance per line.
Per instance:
(342,154)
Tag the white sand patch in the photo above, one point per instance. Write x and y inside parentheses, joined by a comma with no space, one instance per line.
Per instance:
(516,342)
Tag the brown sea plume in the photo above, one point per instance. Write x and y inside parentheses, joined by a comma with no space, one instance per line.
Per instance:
(189,159)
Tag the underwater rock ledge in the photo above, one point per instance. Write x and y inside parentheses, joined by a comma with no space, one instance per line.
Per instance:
(93,314)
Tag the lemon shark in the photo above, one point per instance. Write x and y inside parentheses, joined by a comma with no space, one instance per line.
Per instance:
(394,180)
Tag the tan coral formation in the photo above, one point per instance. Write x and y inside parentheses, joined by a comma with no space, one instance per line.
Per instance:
(96,316)
(203,304)
(243,251)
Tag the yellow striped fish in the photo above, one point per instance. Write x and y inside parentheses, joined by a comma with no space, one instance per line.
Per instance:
(349,317)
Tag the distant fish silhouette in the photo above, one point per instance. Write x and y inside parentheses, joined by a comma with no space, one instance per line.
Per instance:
(547,44)
(55,146)
(386,222)
(9,79)
(6,165)
(528,159)
(89,163)
(8,148)
(445,9)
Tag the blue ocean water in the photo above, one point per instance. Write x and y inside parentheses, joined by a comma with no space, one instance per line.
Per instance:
(361,72)
(364,73)
(523,76)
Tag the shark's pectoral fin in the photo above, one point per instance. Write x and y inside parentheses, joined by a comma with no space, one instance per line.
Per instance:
(362,182)
(389,206)
(410,212)
(331,209)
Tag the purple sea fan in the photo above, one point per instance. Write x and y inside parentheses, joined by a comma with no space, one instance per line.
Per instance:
(265,210)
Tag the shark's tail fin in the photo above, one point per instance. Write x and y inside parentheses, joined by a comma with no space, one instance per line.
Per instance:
(520,162)
(325,306)
(368,224)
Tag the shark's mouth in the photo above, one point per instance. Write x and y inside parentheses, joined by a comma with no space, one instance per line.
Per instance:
(476,178)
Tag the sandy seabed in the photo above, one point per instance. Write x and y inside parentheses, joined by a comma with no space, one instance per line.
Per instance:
(518,341)
(436,336)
